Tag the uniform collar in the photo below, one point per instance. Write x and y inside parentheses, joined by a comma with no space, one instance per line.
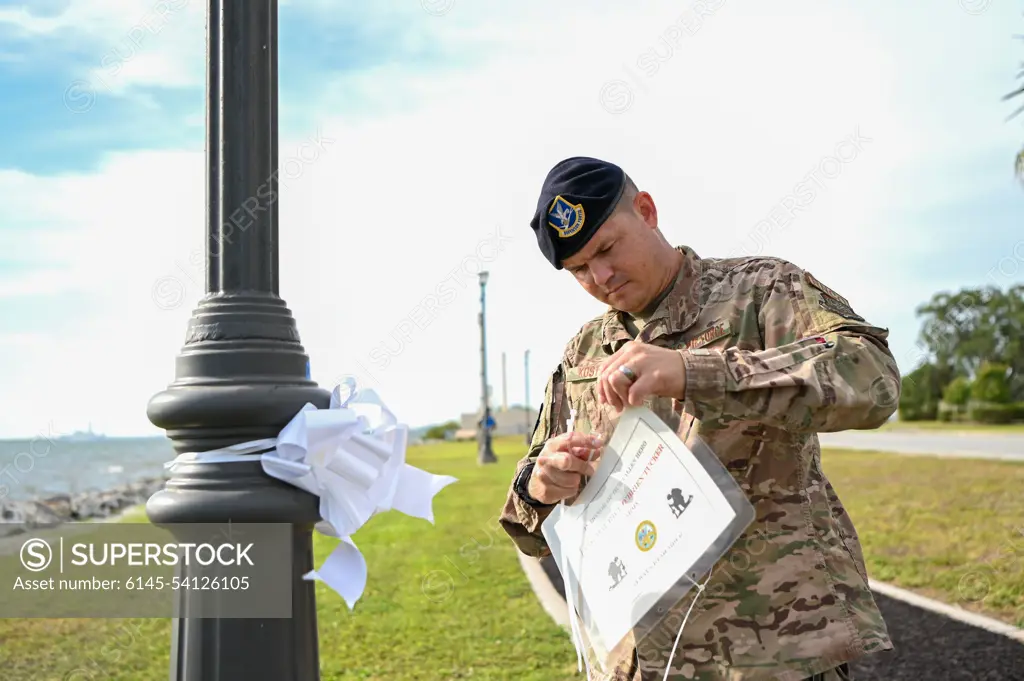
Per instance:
(675,313)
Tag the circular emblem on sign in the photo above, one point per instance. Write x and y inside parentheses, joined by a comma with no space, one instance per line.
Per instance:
(646,535)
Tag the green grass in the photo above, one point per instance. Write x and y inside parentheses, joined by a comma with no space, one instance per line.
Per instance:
(980,428)
(950,529)
(450,601)
(447,601)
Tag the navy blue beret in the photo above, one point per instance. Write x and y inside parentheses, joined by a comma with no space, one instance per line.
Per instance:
(578,195)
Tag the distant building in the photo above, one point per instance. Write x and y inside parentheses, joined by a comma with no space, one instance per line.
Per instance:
(512,421)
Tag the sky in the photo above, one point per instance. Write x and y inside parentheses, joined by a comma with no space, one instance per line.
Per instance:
(414,138)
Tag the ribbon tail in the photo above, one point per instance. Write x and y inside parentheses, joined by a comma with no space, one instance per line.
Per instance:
(415,492)
(344,571)
(346,509)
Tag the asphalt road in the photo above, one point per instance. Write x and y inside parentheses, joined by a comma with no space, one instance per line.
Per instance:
(956,445)
(927,646)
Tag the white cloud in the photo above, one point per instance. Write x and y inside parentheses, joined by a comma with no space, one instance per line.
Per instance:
(117,44)
(397,206)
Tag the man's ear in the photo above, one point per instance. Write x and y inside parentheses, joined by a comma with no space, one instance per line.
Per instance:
(643,204)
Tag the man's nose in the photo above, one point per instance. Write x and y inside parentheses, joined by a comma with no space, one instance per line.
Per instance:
(602,274)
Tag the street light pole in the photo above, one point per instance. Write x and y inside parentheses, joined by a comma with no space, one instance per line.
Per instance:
(485,453)
(526,366)
(242,373)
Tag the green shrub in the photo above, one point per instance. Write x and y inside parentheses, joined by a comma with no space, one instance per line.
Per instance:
(916,400)
(910,410)
(958,392)
(948,412)
(991,385)
(988,412)
(1017,409)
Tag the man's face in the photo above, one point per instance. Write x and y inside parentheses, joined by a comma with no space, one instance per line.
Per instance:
(614,266)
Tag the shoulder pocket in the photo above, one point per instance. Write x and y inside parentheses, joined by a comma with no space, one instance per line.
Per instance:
(778,358)
(719,335)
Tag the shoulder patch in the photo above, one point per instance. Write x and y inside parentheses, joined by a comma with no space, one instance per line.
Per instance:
(832,301)
(813,281)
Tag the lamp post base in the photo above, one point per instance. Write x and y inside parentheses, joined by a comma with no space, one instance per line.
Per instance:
(240,377)
(485,454)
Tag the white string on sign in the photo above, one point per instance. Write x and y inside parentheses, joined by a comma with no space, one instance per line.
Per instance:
(570,589)
(679,634)
(350,455)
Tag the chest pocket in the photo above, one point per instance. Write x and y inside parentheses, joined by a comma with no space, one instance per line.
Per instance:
(581,391)
(594,417)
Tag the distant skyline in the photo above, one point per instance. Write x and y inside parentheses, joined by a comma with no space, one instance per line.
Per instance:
(414,139)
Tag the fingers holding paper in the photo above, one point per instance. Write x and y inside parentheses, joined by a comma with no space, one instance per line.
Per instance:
(649,370)
(562,464)
(580,445)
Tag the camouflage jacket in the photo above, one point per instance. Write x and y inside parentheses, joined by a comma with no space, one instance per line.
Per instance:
(774,357)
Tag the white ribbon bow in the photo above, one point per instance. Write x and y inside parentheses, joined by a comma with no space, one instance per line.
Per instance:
(352,456)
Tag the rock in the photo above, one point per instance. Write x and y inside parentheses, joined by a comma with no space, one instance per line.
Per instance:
(10,530)
(108,504)
(19,516)
(16,516)
(84,506)
(59,504)
(44,516)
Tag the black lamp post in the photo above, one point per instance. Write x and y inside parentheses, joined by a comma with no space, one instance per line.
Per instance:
(526,368)
(242,374)
(485,453)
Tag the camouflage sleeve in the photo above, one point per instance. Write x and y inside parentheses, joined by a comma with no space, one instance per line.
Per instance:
(824,367)
(520,520)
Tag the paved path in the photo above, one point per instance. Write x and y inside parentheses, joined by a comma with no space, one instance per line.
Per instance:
(930,646)
(958,445)
(927,646)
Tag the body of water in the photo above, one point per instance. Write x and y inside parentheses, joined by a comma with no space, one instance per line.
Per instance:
(39,468)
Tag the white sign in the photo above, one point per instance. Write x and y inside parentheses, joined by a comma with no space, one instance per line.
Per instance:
(644,521)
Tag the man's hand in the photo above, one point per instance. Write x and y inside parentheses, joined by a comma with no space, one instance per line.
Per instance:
(561,464)
(659,371)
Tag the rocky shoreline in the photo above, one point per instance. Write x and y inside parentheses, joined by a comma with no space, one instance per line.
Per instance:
(19,516)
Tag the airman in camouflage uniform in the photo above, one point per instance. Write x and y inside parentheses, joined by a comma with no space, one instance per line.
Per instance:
(755,356)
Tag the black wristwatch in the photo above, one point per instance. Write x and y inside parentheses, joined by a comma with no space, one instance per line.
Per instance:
(522,485)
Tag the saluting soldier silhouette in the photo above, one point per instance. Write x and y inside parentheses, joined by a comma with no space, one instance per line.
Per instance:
(677,503)
(616,570)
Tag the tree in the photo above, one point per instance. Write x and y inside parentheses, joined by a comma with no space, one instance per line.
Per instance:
(1018,165)
(440,432)
(963,330)
(920,393)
